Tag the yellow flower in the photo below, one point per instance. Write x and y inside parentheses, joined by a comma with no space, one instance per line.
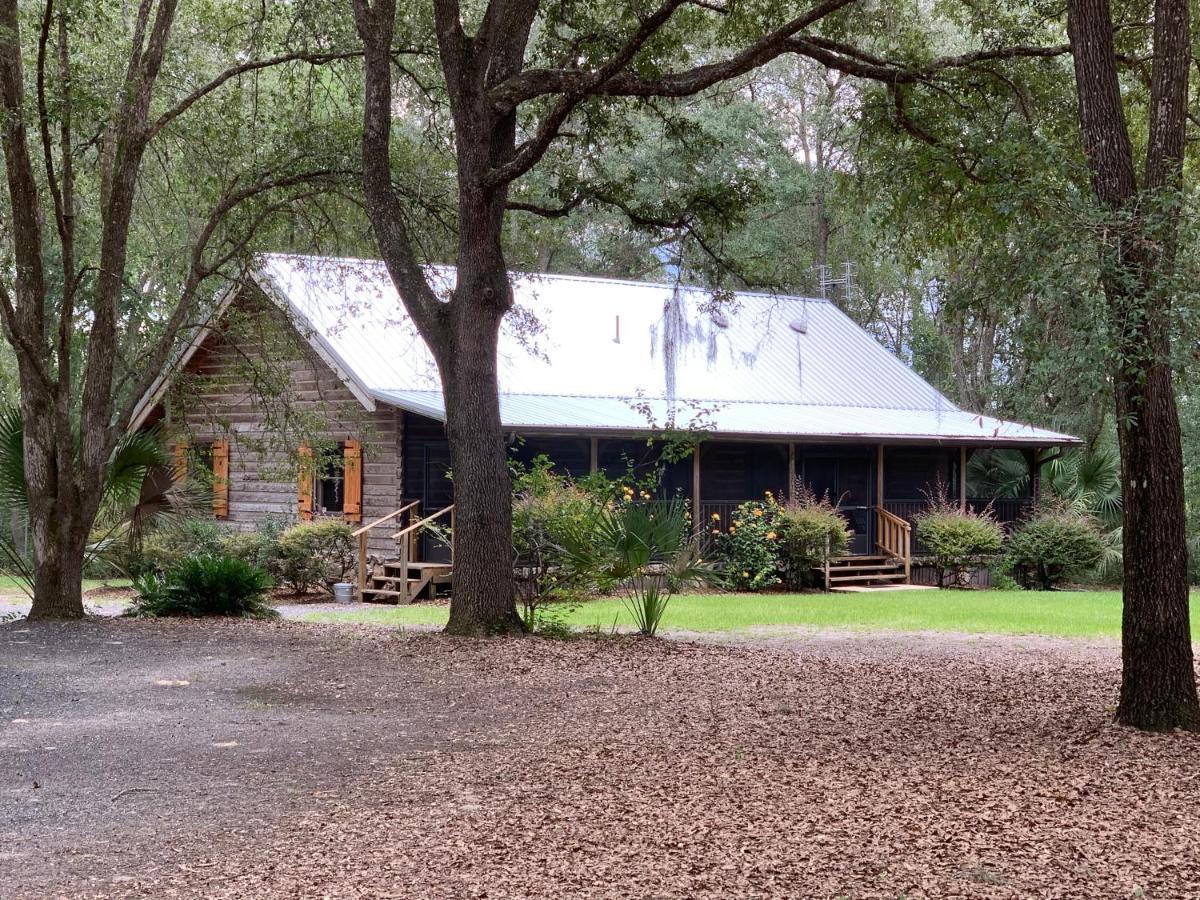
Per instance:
(758,513)
(745,574)
(716,517)
(733,529)
(770,535)
(716,531)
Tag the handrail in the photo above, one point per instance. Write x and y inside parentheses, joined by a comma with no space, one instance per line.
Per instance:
(893,535)
(425,521)
(386,518)
(361,536)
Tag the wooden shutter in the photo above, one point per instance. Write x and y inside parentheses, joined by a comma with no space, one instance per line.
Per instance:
(352,481)
(220,470)
(181,461)
(304,486)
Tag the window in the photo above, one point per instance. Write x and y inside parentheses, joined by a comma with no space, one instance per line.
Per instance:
(331,481)
(211,461)
(329,488)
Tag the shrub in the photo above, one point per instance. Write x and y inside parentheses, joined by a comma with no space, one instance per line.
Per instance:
(548,509)
(749,551)
(210,585)
(166,547)
(809,528)
(958,540)
(316,553)
(1056,544)
(259,547)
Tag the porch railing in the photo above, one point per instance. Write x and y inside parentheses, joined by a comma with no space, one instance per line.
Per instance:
(893,537)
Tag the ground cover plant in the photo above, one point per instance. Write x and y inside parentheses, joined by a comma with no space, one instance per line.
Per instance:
(206,585)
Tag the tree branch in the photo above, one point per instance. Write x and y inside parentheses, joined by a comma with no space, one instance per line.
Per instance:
(316,59)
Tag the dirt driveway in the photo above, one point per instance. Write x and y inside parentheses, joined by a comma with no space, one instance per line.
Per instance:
(283,760)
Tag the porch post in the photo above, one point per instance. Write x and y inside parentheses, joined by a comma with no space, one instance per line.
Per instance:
(962,478)
(594,462)
(791,485)
(697,521)
(1035,474)
(879,477)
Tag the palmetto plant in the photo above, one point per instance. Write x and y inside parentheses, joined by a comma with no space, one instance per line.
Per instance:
(1091,481)
(126,504)
(645,548)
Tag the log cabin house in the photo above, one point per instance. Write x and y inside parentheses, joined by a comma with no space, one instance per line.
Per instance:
(310,393)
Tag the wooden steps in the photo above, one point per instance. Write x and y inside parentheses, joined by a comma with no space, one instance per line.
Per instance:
(396,582)
(865,572)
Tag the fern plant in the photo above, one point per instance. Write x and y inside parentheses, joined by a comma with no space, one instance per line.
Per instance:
(208,585)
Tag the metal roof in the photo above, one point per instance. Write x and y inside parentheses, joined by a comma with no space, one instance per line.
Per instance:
(591,354)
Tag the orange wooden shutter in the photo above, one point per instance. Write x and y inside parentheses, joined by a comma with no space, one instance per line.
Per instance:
(181,461)
(304,487)
(220,470)
(352,479)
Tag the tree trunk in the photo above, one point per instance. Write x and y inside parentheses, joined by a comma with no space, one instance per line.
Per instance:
(1158,682)
(58,554)
(484,590)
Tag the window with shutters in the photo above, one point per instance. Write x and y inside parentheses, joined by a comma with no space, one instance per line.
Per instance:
(330,481)
(209,460)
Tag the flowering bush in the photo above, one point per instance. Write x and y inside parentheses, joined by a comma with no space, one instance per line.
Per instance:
(749,551)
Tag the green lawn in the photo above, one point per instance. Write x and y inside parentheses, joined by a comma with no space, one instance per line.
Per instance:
(1064,613)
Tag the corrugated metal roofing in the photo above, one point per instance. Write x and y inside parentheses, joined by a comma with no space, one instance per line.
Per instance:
(589,353)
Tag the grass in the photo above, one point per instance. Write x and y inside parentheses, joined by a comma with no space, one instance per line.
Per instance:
(1057,613)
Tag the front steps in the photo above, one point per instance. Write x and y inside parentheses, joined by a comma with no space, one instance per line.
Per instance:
(865,573)
(393,582)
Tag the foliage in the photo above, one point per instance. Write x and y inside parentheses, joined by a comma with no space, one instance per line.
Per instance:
(810,530)
(749,551)
(205,585)
(122,508)
(957,539)
(165,548)
(1057,543)
(316,553)
(645,548)
(548,508)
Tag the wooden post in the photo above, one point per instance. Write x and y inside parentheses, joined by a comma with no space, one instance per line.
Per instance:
(791,488)
(697,523)
(827,549)
(453,539)
(962,478)
(1035,474)
(404,560)
(362,565)
(879,477)
(595,460)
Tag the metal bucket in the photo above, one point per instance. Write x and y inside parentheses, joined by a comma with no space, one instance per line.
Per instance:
(343,592)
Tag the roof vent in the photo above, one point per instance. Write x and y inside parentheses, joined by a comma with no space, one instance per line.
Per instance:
(720,319)
(800,326)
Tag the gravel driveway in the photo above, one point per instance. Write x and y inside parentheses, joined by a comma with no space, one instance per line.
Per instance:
(232,760)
